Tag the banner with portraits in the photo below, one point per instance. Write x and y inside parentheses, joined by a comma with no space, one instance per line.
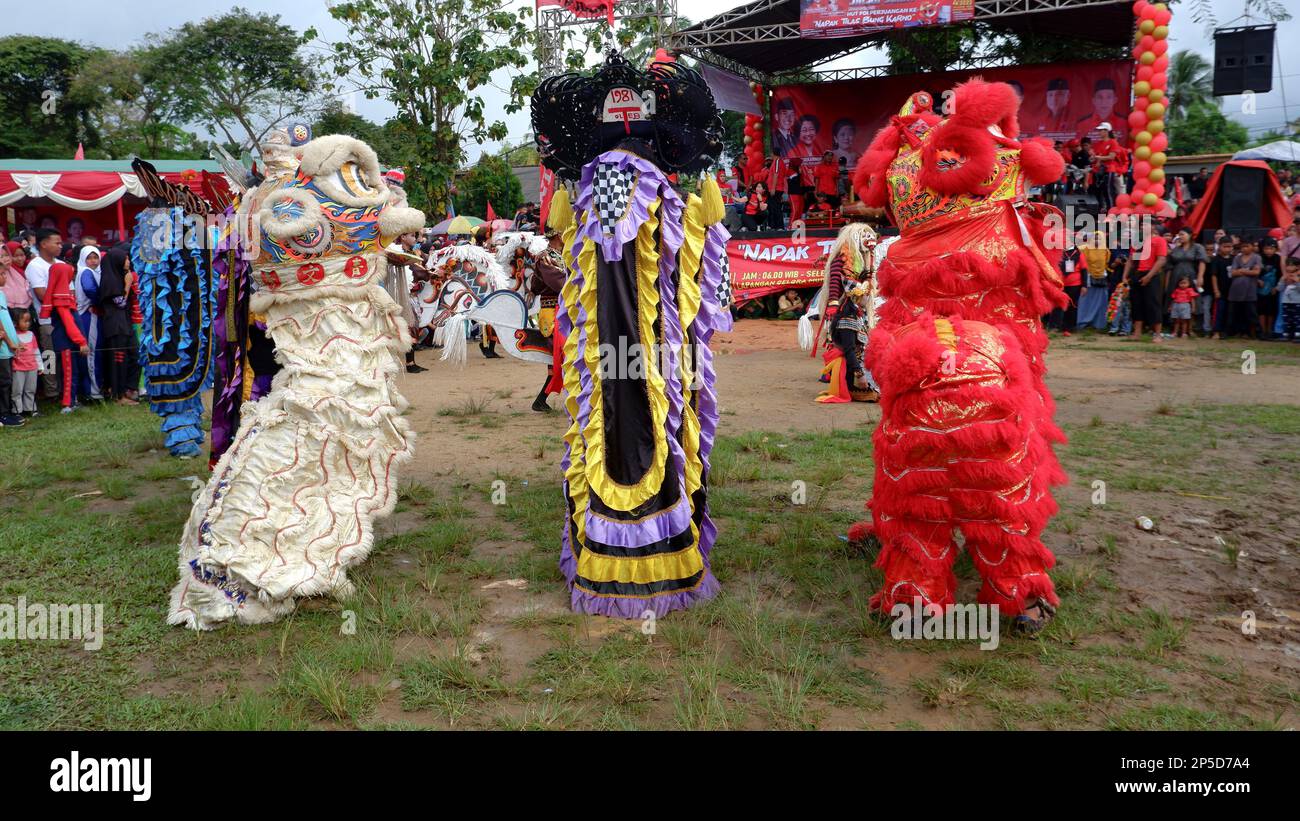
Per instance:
(849,18)
(837,121)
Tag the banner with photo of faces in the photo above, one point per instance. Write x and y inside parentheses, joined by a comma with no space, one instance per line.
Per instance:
(1060,101)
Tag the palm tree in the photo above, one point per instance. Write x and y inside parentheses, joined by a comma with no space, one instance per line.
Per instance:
(1190,83)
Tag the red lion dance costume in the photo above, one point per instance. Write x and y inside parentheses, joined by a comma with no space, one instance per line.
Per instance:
(966,432)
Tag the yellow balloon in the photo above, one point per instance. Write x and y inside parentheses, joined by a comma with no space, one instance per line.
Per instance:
(1147,26)
(1160,32)
(1143,152)
(1142,88)
(1143,137)
(1156,126)
(1150,200)
(1155,95)
(1158,159)
(1147,58)
(1160,6)
(1156,111)
(1156,175)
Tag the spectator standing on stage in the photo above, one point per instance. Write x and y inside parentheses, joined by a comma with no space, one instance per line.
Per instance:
(1197,182)
(795,189)
(827,174)
(778,174)
(755,208)
(1243,293)
(1113,159)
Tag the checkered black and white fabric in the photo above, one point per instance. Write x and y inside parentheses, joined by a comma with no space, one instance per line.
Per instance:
(611,194)
(724,286)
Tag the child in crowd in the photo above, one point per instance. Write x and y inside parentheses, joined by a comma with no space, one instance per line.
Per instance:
(1289,300)
(789,306)
(1120,312)
(25,365)
(1181,309)
(8,343)
(1270,274)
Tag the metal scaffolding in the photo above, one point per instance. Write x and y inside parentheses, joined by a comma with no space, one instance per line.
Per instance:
(555,23)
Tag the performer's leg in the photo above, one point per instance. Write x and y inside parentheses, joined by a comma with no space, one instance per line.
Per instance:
(539,404)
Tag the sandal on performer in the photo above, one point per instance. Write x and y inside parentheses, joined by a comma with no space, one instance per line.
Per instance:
(1030,626)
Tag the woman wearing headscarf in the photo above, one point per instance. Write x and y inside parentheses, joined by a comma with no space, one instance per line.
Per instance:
(86,287)
(115,331)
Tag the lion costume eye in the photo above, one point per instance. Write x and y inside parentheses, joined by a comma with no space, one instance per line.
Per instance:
(291,212)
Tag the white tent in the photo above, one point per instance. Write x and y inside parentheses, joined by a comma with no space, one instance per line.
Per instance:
(1282,151)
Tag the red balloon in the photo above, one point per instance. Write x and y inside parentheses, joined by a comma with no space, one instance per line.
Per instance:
(1123,200)
(1161,63)
(1161,47)
(1158,189)
(1160,81)
(1141,104)
(1145,73)
(1138,6)
(1147,13)
(1141,169)
(1146,43)
(1137,120)
(1162,16)
(1159,142)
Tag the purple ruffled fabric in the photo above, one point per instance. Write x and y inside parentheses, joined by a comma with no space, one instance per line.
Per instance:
(650,185)
(230,355)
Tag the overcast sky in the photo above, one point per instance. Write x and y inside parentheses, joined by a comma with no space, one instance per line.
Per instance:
(124,23)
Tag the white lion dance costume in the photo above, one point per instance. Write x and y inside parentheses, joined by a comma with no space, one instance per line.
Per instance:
(646,266)
(290,505)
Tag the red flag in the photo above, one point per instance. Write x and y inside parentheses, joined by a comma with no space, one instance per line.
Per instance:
(491,215)
(81,153)
(546,186)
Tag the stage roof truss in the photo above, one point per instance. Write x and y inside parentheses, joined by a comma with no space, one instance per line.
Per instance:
(738,39)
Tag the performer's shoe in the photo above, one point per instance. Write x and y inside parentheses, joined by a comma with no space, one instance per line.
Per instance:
(539,405)
(861,395)
(415,369)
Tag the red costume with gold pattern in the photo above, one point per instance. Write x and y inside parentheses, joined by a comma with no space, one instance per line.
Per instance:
(965,439)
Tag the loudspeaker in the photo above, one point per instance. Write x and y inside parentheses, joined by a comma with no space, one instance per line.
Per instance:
(1242,197)
(1079,203)
(1243,60)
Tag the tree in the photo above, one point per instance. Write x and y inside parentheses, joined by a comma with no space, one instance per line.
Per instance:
(491,180)
(1204,130)
(37,119)
(429,58)
(1191,82)
(239,75)
(133,105)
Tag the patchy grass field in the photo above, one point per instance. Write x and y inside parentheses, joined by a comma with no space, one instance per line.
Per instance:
(459,619)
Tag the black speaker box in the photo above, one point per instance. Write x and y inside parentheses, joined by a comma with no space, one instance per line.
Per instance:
(1242,197)
(1079,203)
(1243,60)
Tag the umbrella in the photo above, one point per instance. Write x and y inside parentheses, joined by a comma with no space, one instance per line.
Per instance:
(457,225)
(502,225)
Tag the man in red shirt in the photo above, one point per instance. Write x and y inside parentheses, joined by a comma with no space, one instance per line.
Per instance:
(1113,161)
(827,176)
(1146,286)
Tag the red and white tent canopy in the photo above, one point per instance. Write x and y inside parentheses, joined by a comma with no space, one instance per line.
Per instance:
(87,185)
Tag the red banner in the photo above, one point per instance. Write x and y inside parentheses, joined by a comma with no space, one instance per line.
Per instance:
(849,18)
(767,266)
(584,8)
(1061,101)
